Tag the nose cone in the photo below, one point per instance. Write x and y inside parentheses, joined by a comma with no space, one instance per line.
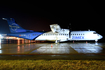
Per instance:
(100,36)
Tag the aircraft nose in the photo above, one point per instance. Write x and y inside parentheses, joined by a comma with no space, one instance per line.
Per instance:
(100,36)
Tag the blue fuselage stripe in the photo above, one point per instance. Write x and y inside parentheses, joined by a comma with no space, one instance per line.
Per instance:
(27,35)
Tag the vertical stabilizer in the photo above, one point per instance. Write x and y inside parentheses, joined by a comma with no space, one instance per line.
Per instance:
(14,28)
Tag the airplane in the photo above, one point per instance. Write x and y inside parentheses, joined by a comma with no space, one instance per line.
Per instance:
(56,34)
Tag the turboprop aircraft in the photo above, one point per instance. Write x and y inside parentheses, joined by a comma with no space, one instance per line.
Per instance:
(56,34)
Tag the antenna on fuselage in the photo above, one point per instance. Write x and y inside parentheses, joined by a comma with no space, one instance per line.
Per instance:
(88,29)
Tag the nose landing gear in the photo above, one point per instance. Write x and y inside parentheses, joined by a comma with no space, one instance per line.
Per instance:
(96,42)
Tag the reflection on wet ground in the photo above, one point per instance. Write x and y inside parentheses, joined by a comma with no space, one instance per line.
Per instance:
(62,49)
(47,48)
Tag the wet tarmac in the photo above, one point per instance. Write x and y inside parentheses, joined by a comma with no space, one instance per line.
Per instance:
(79,50)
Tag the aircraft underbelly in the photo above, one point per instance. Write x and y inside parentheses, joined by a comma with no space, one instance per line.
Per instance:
(52,38)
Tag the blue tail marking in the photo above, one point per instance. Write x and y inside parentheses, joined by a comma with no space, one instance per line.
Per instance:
(18,31)
(14,28)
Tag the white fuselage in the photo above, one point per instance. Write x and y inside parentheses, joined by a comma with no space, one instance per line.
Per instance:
(74,35)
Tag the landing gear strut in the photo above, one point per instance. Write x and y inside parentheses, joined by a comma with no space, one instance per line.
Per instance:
(96,42)
(57,41)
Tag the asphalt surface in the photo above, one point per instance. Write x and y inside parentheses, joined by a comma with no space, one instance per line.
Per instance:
(53,51)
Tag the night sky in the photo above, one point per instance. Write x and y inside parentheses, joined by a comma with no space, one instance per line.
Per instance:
(82,15)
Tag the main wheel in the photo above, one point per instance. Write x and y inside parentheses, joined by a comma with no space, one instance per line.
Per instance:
(57,41)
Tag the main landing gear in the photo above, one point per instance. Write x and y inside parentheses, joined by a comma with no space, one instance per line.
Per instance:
(57,41)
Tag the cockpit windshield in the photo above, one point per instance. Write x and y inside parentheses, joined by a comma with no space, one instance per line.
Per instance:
(94,33)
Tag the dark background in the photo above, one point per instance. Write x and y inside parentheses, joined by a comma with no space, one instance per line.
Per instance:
(37,16)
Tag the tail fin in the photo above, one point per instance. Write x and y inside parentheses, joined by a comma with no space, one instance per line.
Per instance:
(14,28)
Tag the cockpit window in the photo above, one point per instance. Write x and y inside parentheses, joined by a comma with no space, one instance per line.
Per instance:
(94,33)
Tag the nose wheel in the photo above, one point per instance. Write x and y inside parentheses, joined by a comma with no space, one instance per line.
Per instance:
(96,42)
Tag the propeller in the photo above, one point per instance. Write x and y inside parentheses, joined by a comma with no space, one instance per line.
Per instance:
(69,30)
